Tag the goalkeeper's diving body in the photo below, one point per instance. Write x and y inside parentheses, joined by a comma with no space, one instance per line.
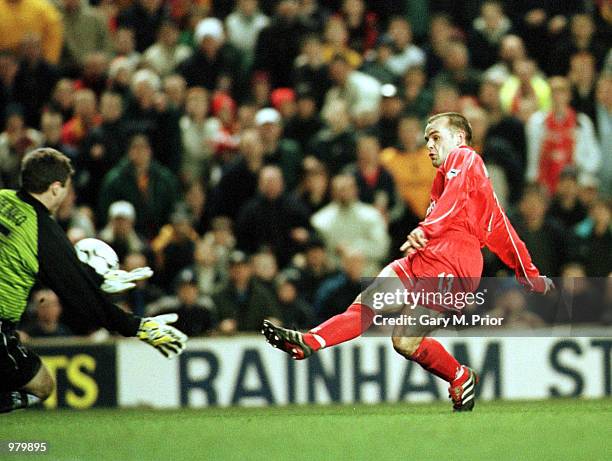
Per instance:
(35,250)
(443,253)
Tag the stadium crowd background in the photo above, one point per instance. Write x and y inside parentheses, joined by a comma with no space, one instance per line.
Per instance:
(264,156)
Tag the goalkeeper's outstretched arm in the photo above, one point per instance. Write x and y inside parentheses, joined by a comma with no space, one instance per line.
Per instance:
(87,307)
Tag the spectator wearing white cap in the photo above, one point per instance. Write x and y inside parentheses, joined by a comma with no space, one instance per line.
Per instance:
(391,109)
(215,64)
(119,232)
(283,152)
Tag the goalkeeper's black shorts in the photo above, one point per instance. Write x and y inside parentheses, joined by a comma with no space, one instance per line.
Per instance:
(18,365)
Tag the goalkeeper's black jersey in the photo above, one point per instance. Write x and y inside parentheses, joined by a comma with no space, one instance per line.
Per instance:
(34,248)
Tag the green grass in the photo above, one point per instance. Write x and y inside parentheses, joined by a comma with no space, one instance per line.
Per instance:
(544,430)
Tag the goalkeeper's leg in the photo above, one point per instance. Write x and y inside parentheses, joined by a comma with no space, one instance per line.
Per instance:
(37,390)
(341,328)
(15,400)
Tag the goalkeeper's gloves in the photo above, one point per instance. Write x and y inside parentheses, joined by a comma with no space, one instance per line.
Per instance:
(156,332)
(116,281)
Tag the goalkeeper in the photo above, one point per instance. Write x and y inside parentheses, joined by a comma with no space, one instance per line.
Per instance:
(34,249)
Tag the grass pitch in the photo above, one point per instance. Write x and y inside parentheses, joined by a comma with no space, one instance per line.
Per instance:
(544,430)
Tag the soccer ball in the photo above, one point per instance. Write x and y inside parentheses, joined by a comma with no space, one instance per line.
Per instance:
(97,255)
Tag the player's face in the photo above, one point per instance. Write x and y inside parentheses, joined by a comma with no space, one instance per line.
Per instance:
(441,140)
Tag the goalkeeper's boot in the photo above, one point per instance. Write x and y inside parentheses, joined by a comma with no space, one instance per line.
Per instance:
(462,389)
(15,400)
(289,341)
(9,401)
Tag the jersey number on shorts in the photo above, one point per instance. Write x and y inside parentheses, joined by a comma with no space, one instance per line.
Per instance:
(445,284)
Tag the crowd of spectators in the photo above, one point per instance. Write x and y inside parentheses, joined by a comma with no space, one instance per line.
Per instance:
(263,156)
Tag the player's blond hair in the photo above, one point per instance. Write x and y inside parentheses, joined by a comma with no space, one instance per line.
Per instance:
(455,121)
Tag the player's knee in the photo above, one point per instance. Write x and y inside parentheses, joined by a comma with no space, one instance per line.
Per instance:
(405,345)
(47,387)
(371,294)
(42,386)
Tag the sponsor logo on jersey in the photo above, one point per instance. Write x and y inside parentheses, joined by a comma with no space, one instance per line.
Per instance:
(452,173)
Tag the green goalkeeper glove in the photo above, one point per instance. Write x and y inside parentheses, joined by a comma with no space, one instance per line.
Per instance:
(156,332)
(116,281)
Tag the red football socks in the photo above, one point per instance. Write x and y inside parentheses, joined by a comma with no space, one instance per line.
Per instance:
(340,328)
(432,356)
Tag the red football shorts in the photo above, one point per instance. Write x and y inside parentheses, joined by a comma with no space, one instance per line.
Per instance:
(444,272)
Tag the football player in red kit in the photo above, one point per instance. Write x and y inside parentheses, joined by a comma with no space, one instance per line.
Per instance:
(464,215)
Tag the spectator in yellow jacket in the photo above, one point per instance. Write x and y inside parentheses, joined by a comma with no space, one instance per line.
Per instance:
(18,18)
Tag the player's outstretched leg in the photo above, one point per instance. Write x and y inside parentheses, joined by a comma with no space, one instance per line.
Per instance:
(341,328)
(290,341)
(338,329)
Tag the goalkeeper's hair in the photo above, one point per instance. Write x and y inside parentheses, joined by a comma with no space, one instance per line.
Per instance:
(455,121)
(42,167)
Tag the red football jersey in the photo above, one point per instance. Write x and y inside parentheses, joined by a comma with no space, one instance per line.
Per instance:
(463,200)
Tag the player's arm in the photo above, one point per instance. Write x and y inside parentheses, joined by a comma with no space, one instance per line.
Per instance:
(505,243)
(86,307)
